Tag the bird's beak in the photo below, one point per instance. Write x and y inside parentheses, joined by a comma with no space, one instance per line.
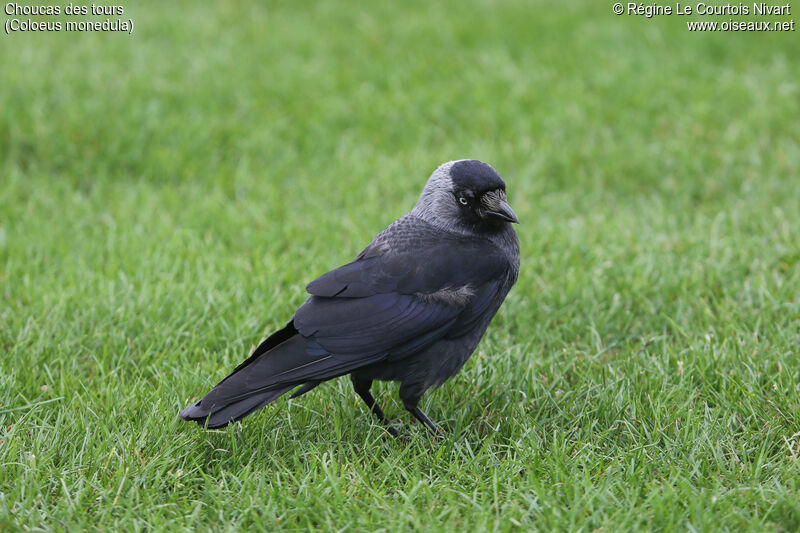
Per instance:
(503,211)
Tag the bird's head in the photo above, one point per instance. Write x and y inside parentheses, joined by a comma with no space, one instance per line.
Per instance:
(465,194)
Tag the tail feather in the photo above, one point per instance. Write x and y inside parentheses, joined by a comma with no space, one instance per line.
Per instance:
(279,364)
(304,389)
(220,416)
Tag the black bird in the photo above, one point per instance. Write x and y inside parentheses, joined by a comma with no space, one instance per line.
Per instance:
(411,308)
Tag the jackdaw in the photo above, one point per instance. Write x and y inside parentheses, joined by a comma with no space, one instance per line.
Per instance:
(410,308)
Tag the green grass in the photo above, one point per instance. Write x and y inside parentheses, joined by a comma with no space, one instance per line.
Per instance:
(166,196)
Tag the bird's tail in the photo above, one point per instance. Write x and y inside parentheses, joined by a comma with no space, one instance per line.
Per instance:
(275,367)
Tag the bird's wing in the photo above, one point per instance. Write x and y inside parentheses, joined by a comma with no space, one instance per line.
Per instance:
(401,295)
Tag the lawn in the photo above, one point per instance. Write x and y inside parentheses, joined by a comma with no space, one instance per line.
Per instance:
(165,196)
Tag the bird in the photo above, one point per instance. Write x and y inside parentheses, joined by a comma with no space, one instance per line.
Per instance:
(411,308)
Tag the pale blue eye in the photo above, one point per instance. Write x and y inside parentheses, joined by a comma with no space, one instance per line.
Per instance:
(463,200)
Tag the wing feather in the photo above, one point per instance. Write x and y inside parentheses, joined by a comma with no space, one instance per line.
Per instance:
(392,301)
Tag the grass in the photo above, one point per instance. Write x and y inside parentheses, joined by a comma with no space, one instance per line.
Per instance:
(167,195)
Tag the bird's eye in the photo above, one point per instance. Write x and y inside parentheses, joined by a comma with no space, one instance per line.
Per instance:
(462,200)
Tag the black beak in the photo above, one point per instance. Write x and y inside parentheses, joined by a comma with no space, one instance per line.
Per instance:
(503,211)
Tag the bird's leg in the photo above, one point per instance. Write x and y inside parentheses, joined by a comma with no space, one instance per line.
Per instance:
(411,395)
(420,415)
(362,386)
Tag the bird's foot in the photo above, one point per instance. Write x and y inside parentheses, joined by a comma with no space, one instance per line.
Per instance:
(399,431)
